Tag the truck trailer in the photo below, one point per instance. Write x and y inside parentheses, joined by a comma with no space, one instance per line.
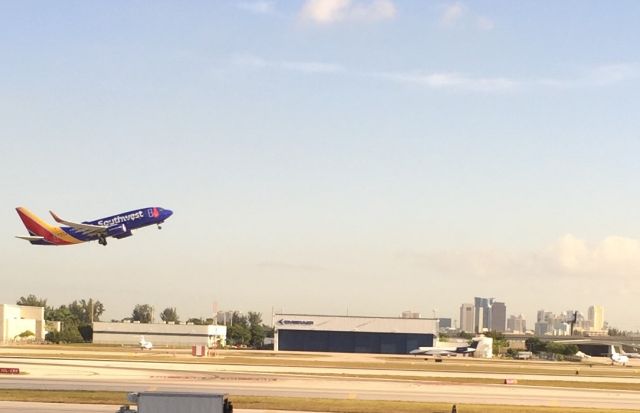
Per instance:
(179,402)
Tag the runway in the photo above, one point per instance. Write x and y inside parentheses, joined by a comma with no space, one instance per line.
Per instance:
(262,380)
(28,407)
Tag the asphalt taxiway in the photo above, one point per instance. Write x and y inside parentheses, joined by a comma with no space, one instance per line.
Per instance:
(318,382)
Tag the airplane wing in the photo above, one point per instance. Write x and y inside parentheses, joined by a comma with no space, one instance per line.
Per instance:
(88,229)
(32,238)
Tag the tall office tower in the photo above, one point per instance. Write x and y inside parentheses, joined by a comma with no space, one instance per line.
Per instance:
(516,324)
(467,318)
(596,317)
(483,313)
(498,316)
(543,328)
(478,319)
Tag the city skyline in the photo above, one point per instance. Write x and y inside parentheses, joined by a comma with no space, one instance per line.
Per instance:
(326,156)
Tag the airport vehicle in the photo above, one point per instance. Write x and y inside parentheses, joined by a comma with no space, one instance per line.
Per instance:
(617,357)
(116,226)
(144,344)
(524,355)
(171,402)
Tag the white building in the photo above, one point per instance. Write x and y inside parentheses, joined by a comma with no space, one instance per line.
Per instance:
(173,335)
(19,319)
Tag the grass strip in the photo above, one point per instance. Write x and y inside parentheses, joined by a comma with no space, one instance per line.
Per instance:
(294,403)
(596,385)
(64,396)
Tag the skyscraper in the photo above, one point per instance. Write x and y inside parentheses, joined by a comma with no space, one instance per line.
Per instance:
(483,313)
(596,317)
(498,316)
(467,318)
(517,324)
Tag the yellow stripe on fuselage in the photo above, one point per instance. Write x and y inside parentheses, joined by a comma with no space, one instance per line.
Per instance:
(61,234)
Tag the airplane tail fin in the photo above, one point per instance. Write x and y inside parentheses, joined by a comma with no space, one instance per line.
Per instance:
(37,228)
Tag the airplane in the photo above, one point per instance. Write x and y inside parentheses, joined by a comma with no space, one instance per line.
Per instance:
(442,351)
(116,226)
(144,344)
(617,357)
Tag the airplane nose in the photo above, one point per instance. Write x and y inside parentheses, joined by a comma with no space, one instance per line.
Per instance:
(168,213)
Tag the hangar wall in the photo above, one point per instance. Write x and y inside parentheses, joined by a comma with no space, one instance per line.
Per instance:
(348,334)
(16,319)
(159,334)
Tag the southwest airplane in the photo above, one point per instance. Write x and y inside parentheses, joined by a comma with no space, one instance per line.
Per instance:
(116,226)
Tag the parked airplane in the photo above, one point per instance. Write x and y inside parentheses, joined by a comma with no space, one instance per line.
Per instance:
(442,351)
(617,357)
(116,226)
(144,344)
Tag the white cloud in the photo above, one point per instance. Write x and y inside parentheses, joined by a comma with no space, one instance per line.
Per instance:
(613,73)
(616,258)
(257,7)
(613,256)
(331,11)
(598,76)
(452,14)
(456,81)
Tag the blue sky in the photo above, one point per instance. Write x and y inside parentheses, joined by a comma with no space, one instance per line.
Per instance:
(325,155)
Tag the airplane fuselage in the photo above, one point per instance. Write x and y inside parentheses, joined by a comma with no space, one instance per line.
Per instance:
(116,226)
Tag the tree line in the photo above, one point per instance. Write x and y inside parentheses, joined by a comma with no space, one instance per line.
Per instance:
(77,317)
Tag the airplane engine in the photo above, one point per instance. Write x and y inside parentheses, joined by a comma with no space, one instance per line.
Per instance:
(118,231)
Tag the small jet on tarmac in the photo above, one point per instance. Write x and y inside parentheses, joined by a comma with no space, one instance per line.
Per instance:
(116,226)
(144,344)
(442,351)
(617,357)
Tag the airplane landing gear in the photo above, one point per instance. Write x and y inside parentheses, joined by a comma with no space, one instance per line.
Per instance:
(159,226)
(102,240)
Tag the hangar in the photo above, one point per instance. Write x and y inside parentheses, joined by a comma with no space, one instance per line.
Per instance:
(350,334)
(174,335)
